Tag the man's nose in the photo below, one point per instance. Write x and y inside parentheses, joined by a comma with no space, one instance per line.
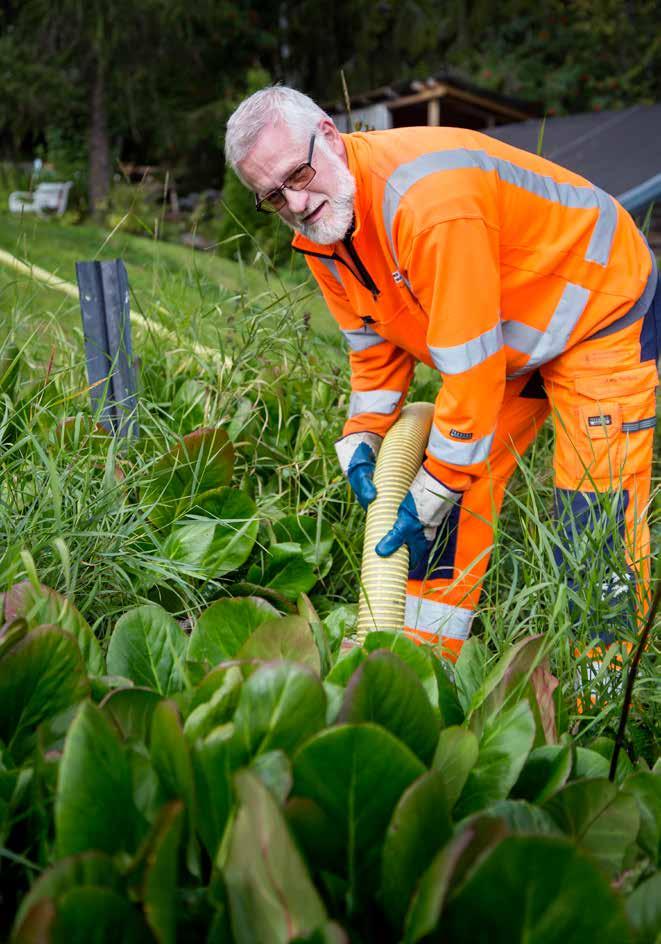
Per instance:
(297,200)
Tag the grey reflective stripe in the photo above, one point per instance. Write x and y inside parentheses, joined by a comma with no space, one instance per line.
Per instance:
(599,249)
(461,357)
(521,337)
(359,339)
(456,452)
(569,195)
(564,319)
(634,427)
(638,310)
(439,618)
(332,268)
(374,401)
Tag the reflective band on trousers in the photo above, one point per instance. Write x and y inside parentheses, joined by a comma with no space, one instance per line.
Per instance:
(374,401)
(461,357)
(442,619)
(636,426)
(567,195)
(359,339)
(457,452)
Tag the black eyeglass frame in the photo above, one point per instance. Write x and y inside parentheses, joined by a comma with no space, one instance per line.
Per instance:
(277,194)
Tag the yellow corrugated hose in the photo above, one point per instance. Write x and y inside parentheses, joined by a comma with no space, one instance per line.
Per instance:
(383,579)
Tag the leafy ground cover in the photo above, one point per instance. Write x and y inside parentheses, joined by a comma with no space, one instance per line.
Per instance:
(187,751)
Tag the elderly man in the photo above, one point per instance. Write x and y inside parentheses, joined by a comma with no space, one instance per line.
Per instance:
(528,289)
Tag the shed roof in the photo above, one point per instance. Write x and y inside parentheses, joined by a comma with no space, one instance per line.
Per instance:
(442,83)
(619,151)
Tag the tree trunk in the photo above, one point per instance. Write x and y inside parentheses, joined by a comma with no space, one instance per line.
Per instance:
(99,148)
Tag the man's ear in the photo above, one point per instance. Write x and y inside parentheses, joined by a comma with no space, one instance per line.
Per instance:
(332,138)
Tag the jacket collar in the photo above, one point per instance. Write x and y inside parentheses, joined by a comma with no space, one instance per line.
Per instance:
(353,144)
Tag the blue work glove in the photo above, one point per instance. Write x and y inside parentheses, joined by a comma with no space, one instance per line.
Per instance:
(357,453)
(425,507)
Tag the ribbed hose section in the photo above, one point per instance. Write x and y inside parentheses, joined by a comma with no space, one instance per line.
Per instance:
(383,579)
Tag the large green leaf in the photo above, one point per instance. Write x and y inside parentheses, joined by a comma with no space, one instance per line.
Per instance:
(537,889)
(546,770)
(287,571)
(274,770)
(281,705)
(153,873)
(40,676)
(646,788)
(210,547)
(524,817)
(287,638)
(40,606)
(469,845)
(308,612)
(272,897)
(182,478)
(419,659)
(149,647)
(598,817)
(131,709)
(94,803)
(456,755)
(450,709)
(386,691)
(345,665)
(470,671)
(90,915)
(506,741)
(356,774)
(313,535)
(605,746)
(508,678)
(224,627)
(419,827)
(215,759)
(588,764)
(88,868)
(316,834)
(220,705)
(171,759)
(644,910)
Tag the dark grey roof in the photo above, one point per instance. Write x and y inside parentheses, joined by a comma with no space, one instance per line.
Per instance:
(619,151)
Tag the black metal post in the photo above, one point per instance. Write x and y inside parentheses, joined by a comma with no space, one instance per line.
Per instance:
(105,307)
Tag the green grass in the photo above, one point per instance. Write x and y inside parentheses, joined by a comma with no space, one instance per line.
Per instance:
(196,294)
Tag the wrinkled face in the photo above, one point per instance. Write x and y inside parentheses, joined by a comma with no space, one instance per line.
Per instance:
(324,210)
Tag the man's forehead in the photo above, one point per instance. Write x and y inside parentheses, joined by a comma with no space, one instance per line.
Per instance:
(276,151)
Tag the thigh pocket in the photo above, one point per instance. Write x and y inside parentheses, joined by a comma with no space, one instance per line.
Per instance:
(614,415)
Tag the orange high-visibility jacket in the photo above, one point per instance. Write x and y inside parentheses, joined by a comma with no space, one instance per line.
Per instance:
(477,258)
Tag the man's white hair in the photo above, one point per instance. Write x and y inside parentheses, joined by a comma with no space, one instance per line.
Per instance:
(276,104)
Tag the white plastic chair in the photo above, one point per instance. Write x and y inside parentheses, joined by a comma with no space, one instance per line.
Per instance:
(46,200)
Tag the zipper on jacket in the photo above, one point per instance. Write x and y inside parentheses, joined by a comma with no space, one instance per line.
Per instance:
(367,279)
(362,275)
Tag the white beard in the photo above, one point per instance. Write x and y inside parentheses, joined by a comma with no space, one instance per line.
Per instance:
(338,213)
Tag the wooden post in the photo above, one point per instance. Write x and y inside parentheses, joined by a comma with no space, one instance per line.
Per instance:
(434,112)
(104,303)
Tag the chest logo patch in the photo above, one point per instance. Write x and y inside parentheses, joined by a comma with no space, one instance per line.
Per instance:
(457,434)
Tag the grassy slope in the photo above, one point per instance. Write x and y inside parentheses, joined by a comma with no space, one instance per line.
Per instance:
(202,294)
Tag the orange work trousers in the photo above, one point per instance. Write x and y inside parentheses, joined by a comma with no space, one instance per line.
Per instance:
(601,396)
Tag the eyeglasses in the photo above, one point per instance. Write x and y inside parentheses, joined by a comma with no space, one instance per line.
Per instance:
(299,179)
